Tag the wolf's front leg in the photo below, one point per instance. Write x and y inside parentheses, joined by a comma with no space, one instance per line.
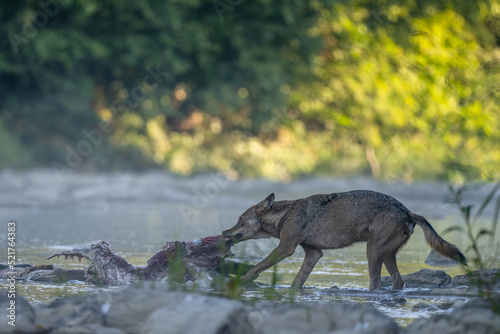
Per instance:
(278,254)
(313,254)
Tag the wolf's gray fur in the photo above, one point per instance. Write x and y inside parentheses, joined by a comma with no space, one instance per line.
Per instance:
(333,221)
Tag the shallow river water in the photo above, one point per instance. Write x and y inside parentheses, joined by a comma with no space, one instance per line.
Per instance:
(137,213)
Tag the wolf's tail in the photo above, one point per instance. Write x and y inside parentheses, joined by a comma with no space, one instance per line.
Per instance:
(437,243)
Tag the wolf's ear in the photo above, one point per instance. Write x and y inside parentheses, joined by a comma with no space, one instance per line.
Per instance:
(267,203)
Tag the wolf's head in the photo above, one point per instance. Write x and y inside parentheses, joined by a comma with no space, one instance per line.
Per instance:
(249,224)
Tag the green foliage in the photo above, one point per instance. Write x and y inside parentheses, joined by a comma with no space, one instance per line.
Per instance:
(230,286)
(471,217)
(13,153)
(177,270)
(63,68)
(270,292)
(407,83)
(458,186)
(381,87)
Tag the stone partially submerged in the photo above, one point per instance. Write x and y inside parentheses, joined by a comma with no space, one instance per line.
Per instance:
(424,278)
(487,279)
(43,273)
(477,316)
(437,260)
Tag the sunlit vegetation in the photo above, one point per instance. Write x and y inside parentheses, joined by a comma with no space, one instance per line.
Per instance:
(276,89)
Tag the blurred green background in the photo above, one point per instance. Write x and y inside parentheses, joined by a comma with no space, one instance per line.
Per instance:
(273,89)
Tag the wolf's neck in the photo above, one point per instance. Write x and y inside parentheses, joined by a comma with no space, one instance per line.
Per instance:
(272,218)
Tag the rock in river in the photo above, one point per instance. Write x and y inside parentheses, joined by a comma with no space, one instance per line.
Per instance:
(437,260)
(424,278)
(488,278)
(476,317)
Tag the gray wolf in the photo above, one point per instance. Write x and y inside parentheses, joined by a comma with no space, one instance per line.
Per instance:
(332,221)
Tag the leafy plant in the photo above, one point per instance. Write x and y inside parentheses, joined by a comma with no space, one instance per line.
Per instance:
(379,87)
(469,214)
(232,287)
(471,217)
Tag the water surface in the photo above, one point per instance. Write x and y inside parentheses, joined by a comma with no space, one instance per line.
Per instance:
(137,213)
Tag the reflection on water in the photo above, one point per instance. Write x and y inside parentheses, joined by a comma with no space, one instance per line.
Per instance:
(136,214)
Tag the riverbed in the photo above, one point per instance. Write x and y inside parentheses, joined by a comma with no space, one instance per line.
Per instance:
(136,214)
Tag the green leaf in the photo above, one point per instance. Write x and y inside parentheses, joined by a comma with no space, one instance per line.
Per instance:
(483,232)
(452,229)
(487,200)
(494,221)
(466,210)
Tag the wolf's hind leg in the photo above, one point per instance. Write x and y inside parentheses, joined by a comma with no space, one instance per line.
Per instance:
(312,257)
(392,267)
(375,260)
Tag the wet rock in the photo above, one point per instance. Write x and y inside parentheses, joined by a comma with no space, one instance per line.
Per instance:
(459,303)
(325,318)
(44,273)
(393,301)
(424,278)
(447,305)
(23,314)
(437,260)
(126,310)
(427,307)
(420,306)
(130,308)
(434,307)
(489,279)
(454,292)
(141,310)
(73,311)
(199,314)
(476,316)
(87,329)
